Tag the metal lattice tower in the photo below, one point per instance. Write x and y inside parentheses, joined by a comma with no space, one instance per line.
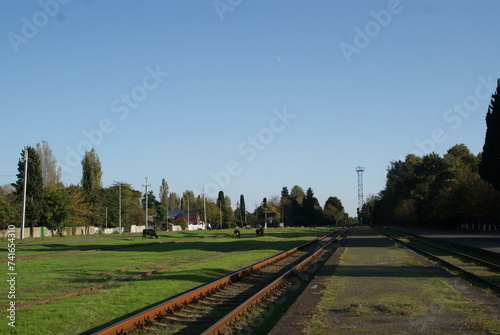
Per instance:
(360,171)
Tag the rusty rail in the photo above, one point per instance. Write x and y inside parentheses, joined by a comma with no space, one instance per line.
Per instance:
(226,322)
(141,319)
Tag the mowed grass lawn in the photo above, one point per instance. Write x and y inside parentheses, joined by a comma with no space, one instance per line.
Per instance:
(54,266)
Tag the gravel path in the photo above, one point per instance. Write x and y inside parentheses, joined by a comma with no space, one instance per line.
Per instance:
(381,289)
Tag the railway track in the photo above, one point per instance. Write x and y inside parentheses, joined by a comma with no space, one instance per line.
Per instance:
(476,269)
(216,307)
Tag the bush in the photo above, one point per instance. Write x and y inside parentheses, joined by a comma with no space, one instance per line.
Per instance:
(183,223)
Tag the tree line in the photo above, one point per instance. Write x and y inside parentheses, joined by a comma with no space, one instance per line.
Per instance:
(51,204)
(443,191)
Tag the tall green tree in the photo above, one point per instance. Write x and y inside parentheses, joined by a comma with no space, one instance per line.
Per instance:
(213,213)
(297,193)
(91,174)
(51,173)
(174,202)
(489,167)
(224,204)
(34,187)
(188,197)
(228,212)
(164,194)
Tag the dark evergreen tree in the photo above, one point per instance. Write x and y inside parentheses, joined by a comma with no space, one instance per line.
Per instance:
(58,212)
(286,206)
(7,213)
(160,216)
(284,192)
(311,209)
(489,167)
(243,210)
(152,202)
(34,187)
(221,204)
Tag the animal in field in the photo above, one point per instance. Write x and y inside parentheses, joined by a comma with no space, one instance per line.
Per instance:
(260,231)
(236,233)
(149,232)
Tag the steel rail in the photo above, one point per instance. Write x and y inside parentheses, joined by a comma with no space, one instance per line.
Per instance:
(469,274)
(421,239)
(231,318)
(139,320)
(472,258)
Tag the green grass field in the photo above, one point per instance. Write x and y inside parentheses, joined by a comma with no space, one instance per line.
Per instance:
(123,266)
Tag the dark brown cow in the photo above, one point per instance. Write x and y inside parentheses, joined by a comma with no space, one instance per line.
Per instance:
(260,231)
(236,233)
(149,232)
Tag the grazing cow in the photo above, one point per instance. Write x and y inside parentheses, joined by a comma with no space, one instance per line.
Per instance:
(149,232)
(260,231)
(236,233)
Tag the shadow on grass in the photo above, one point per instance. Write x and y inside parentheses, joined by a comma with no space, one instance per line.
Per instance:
(220,240)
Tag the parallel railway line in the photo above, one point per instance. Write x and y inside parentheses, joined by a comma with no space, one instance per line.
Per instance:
(477,269)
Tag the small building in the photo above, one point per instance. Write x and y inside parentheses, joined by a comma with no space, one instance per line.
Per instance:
(193,217)
(194,220)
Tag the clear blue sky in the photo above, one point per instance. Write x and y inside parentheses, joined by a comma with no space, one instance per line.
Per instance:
(252,96)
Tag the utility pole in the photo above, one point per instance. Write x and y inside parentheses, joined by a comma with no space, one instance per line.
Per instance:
(239,211)
(360,171)
(25,183)
(120,207)
(188,207)
(265,212)
(147,224)
(204,210)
